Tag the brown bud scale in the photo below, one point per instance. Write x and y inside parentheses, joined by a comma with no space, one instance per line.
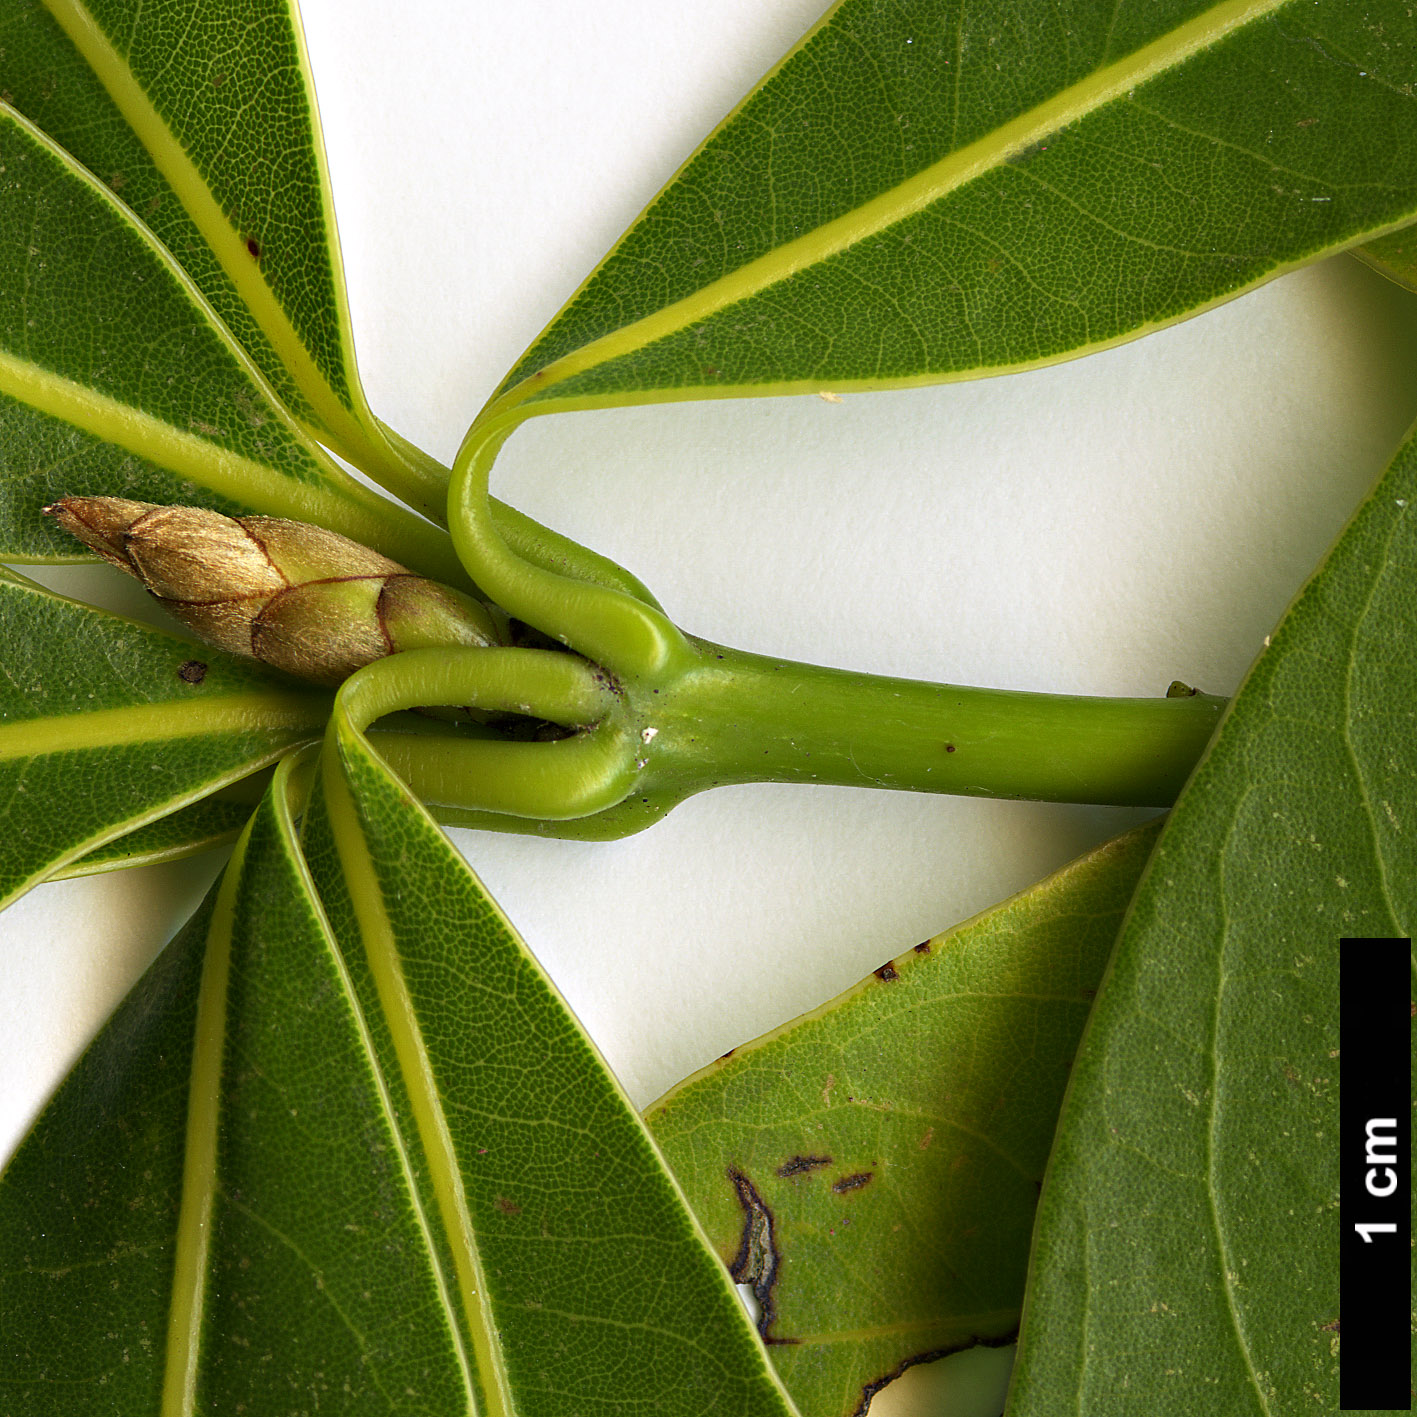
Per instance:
(296,596)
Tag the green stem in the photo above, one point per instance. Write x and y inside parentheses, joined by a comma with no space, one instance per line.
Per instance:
(641,745)
(746,718)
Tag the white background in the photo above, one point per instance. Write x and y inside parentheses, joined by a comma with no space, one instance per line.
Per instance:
(1103,526)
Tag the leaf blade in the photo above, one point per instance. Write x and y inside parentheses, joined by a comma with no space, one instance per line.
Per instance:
(1207,1083)
(891,1141)
(117,378)
(199,827)
(260,1280)
(230,200)
(614,1208)
(126,747)
(900,292)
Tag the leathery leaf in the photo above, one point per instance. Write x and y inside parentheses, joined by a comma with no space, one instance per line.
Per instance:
(107,725)
(203,121)
(871,1169)
(1186,1254)
(117,378)
(940,190)
(201,826)
(214,1211)
(565,1235)
(315,1159)
(1395,255)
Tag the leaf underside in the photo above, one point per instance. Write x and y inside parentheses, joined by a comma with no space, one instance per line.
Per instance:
(872,1169)
(1187,1240)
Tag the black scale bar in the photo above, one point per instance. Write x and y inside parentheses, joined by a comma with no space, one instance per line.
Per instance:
(1375,1175)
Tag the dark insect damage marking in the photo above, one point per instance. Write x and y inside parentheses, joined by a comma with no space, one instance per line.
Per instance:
(949,747)
(887,972)
(507,1207)
(853,1182)
(923,948)
(253,248)
(757,1260)
(192,671)
(974,1341)
(801,1165)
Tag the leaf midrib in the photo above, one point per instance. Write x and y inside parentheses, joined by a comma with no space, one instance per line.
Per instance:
(227,244)
(281,800)
(170,720)
(334,500)
(182,1360)
(904,200)
(382,953)
(1227,1287)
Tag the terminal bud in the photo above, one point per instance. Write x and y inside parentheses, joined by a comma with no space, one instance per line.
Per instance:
(306,600)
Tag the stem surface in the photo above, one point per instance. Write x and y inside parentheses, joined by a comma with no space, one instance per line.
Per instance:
(747,718)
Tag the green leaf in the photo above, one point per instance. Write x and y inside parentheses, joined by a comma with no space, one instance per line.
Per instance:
(48,80)
(872,1169)
(329,1166)
(566,1235)
(116,378)
(199,827)
(215,1206)
(106,725)
(221,156)
(1186,1252)
(940,190)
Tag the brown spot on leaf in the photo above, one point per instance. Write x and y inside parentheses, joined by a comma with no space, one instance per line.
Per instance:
(1330,1328)
(507,1207)
(923,948)
(757,1260)
(801,1165)
(887,972)
(192,671)
(927,1138)
(853,1182)
(253,247)
(949,747)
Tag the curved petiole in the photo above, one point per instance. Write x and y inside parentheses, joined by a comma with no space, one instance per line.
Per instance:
(567,778)
(615,628)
